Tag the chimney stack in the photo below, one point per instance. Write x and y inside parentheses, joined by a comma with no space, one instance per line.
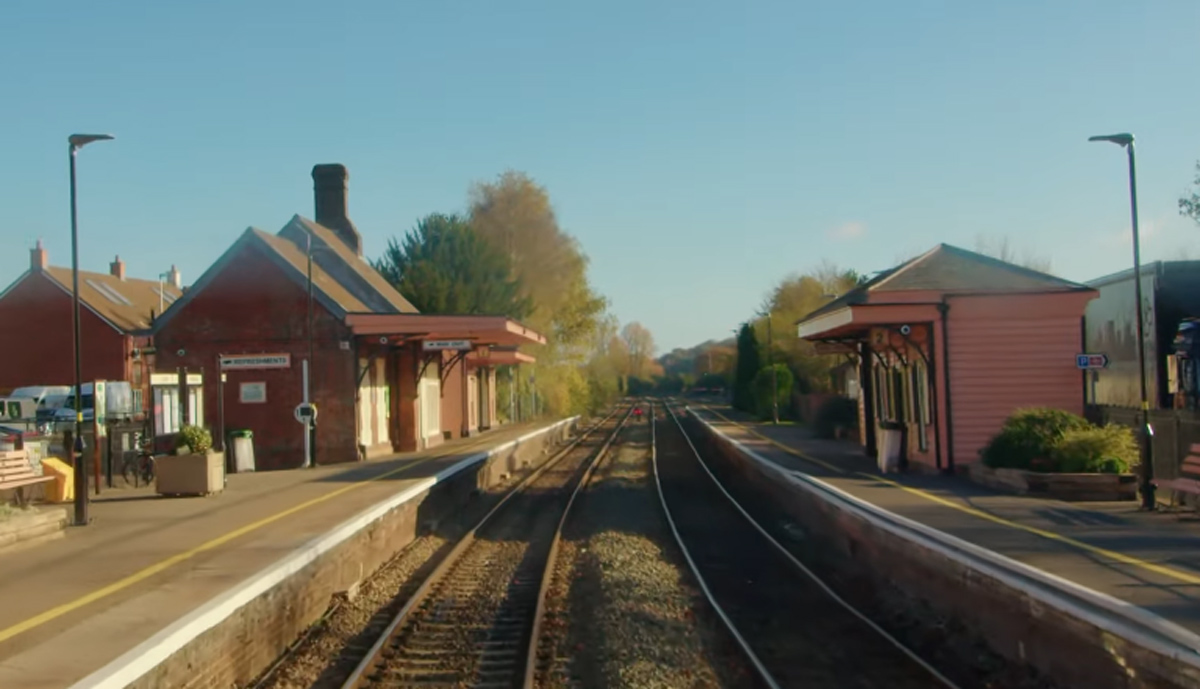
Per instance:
(329,191)
(38,260)
(174,278)
(117,268)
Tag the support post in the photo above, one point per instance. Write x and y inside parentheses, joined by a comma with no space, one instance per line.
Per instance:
(307,424)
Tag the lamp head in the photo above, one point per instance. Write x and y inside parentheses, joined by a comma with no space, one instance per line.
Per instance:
(1118,139)
(78,141)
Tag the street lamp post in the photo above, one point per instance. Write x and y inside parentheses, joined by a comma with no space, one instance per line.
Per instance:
(76,142)
(1147,431)
(774,373)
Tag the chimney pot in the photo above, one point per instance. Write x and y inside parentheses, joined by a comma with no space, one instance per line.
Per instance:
(117,268)
(38,260)
(175,278)
(329,192)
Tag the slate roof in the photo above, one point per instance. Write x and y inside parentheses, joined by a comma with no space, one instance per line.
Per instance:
(343,282)
(947,268)
(127,304)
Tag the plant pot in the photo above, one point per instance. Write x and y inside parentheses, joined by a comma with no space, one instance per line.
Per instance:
(190,474)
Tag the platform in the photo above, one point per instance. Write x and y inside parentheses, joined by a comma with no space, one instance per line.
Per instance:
(71,605)
(1151,560)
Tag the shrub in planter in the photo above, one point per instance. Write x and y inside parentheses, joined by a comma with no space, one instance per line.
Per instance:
(1028,437)
(1108,449)
(193,440)
(835,413)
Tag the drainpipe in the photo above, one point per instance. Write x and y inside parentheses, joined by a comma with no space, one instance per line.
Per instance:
(944,309)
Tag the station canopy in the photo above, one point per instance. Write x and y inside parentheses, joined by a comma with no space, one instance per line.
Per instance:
(500,335)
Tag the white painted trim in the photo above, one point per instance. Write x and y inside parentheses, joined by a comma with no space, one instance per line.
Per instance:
(147,655)
(823,323)
(1115,616)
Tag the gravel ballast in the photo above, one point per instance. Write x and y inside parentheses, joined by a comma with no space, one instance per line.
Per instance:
(622,610)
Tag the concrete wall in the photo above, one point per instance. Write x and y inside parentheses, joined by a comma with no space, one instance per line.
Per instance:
(863,559)
(225,644)
(253,307)
(36,341)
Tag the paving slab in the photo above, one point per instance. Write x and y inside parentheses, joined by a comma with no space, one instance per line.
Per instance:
(1149,559)
(147,560)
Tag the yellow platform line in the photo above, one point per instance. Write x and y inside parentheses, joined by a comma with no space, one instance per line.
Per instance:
(142,575)
(1130,560)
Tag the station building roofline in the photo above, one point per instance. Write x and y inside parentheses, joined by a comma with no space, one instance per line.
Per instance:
(482,330)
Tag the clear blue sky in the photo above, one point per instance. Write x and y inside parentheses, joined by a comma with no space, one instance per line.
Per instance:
(700,151)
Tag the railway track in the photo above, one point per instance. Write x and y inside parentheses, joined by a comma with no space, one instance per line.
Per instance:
(470,623)
(793,628)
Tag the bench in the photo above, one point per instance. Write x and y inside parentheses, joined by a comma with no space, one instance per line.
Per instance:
(1189,479)
(16,473)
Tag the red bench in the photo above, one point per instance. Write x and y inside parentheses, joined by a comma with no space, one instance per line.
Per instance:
(16,473)
(1189,479)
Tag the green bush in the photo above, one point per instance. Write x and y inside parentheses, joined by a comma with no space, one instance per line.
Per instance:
(834,413)
(1106,450)
(198,440)
(1028,437)
(763,385)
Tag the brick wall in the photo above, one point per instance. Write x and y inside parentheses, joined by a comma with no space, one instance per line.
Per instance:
(37,344)
(253,307)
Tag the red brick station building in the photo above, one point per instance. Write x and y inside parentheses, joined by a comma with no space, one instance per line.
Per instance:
(384,378)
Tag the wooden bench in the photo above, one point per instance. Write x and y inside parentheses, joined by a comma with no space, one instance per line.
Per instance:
(16,472)
(1189,479)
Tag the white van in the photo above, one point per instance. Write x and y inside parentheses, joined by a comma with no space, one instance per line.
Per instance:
(118,404)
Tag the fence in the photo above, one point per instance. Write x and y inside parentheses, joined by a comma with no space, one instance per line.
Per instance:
(1175,431)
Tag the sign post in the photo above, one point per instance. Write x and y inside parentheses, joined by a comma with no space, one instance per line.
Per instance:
(1091,362)
(446,345)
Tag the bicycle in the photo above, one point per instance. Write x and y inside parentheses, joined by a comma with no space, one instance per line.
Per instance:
(138,468)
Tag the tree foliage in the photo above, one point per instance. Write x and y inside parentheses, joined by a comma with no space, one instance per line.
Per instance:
(639,344)
(747,368)
(794,298)
(515,216)
(1189,205)
(1003,249)
(443,266)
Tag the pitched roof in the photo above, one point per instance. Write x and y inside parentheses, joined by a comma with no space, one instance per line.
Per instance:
(352,271)
(947,268)
(323,282)
(127,304)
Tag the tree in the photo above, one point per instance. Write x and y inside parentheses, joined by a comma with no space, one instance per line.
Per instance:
(766,382)
(1189,206)
(443,266)
(747,368)
(640,345)
(1003,249)
(514,215)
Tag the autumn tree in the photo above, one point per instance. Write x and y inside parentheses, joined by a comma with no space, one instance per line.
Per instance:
(639,344)
(514,215)
(794,298)
(443,266)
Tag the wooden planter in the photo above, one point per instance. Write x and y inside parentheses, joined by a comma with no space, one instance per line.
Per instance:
(1067,487)
(191,474)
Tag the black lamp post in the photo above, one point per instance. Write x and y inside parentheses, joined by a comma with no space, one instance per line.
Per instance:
(76,142)
(1147,431)
(774,373)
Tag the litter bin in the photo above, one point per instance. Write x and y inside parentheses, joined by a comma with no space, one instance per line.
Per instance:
(890,446)
(241,446)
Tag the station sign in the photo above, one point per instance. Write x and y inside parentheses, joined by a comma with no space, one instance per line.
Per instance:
(243,362)
(446,345)
(1090,362)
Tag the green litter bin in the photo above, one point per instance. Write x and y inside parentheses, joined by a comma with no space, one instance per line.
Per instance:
(241,446)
